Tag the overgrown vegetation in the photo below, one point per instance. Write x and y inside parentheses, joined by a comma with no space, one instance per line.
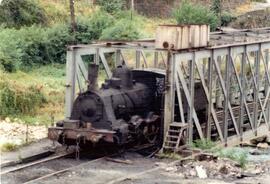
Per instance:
(91,28)
(8,146)
(216,7)
(236,154)
(111,6)
(190,13)
(48,90)
(240,156)
(204,144)
(35,45)
(226,18)
(124,29)
(18,13)
(174,156)
(17,100)
(30,46)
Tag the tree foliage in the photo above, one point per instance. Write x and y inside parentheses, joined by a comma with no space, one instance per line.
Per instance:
(16,99)
(111,6)
(226,18)
(189,13)
(91,28)
(17,13)
(216,7)
(124,29)
(36,45)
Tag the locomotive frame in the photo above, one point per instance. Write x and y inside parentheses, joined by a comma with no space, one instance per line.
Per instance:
(234,72)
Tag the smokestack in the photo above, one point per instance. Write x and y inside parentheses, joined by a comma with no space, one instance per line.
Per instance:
(92,76)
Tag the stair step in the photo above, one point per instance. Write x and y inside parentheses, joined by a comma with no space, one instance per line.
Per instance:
(174,131)
(168,147)
(175,124)
(172,136)
(171,142)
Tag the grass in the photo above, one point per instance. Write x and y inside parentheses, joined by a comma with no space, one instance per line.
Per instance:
(58,11)
(11,146)
(204,144)
(8,146)
(51,80)
(236,154)
(168,155)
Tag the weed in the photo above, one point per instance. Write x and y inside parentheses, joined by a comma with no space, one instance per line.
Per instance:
(204,144)
(8,146)
(226,18)
(240,156)
(168,155)
(111,6)
(14,100)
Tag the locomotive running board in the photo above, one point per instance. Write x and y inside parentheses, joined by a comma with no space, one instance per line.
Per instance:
(92,135)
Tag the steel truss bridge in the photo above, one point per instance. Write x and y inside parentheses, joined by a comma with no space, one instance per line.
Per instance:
(233,70)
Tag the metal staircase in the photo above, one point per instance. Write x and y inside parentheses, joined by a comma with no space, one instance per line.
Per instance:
(177,133)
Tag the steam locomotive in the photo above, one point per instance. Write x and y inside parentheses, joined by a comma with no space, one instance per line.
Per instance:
(125,109)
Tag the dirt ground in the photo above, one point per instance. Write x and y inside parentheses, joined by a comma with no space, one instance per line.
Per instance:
(141,170)
(17,133)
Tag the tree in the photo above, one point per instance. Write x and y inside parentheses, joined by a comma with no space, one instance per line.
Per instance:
(216,7)
(17,13)
(189,13)
(72,16)
(111,6)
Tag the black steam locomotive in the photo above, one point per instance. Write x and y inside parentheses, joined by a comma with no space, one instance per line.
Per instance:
(125,109)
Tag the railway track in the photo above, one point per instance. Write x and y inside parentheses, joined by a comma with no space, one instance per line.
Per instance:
(44,168)
(34,171)
(19,166)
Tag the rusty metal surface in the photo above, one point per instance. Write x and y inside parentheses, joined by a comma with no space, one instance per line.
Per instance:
(93,135)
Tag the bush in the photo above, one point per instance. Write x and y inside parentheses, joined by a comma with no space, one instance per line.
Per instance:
(35,45)
(17,13)
(216,7)
(55,41)
(204,144)
(30,42)
(189,13)
(124,29)
(32,46)
(236,154)
(111,6)
(6,63)
(90,28)
(17,100)
(226,18)
(10,53)
(8,146)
